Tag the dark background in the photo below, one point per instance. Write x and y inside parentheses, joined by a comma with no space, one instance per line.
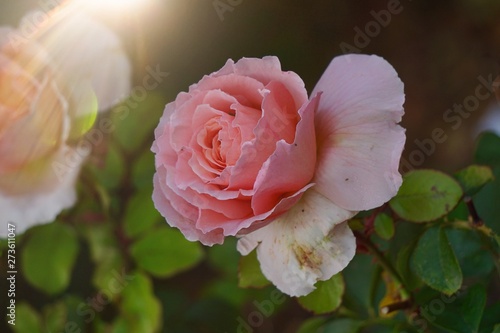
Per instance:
(439,48)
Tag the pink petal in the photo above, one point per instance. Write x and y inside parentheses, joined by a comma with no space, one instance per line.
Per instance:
(359,141)
(179,213)
(268,69)
(279,119)
(277,178)
(307,244)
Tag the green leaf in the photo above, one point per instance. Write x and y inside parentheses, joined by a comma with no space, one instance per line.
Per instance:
(487,202)
(27,320)
(75,318)
(48,257)
(384,226)
(487,149)
(460,213)
(469,249)
(165,252)
(106,271)
(250,274)
(426,195)
(360,278)
(55,316)
(434,261)
(139,307)
(474,177)
(461,315)
(343,325)
(472,307)
(312,325)
(496,329)
(403,265)
(490,318)
(105,254)
(327,296)
(101,240)
(140,214)
(135,120)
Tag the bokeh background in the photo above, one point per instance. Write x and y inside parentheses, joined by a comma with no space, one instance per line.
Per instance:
(439,49)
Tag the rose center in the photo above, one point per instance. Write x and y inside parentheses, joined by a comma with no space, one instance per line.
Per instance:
(220,142)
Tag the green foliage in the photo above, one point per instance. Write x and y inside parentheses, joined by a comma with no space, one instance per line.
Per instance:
(426,195)
(27,320)
(250,274)
(487,200)
(435,263)
(141,310)
(225,257)
(312,325)
(434,272)
(49,255)
(109,171)
(460,314)
(344,325)
(164,252)
(474,177)
(327,296)
(469,249)
(136,120)
(55,317)
(487,151)
(140,214)
(384,226)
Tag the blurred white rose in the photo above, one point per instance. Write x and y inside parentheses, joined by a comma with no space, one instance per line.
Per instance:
(51,87)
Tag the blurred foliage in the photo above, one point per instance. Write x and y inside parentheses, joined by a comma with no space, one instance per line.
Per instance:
(426,262)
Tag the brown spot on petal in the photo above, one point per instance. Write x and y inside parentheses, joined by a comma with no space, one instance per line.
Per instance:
(307,256)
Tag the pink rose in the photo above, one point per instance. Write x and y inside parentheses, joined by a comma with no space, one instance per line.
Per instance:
(246,153)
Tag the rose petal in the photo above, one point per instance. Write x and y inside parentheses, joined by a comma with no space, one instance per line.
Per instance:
(85,49)
(34,207)
(179,213)
(277,178)
(359,141)
(245,89)
(268,69)
(279,121)
(39,133)
(307,244)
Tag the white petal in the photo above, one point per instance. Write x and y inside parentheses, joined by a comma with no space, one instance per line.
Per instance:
(357,132)
(309,243)
(33,208)
(87,52)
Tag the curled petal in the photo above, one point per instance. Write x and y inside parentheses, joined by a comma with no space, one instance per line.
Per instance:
(359,141)
(276,178)
(310,242)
